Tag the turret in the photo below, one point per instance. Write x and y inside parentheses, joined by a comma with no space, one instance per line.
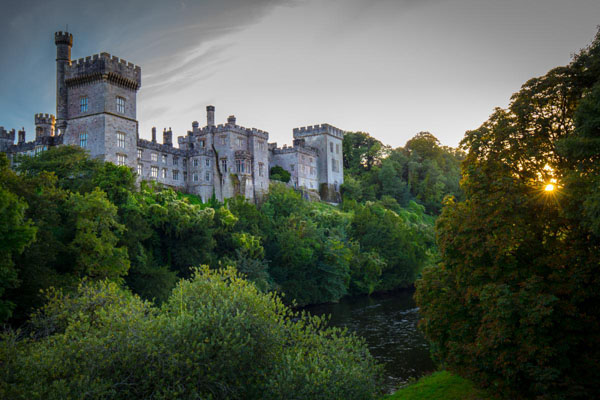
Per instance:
(168,137)
(210,115)
(21,136)
(44,125)
(64,42)
(231,120)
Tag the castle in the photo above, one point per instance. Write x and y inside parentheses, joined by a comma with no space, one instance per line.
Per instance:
(96,109)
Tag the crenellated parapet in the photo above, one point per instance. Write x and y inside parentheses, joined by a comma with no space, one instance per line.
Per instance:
(318,130)
(44,119)
(103,66)
(61,37)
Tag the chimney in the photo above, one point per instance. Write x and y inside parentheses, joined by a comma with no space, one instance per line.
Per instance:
(168,137)
(210,115)
(195,125)
(21,136)
(153,134)
(231,120)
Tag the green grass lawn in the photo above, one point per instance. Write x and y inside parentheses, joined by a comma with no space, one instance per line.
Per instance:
(440,386)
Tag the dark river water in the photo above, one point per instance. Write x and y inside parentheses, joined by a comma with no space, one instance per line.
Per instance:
(388,322)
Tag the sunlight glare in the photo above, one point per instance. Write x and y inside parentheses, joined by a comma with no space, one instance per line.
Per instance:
(549,187)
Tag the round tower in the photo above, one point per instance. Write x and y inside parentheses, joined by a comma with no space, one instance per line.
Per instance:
(44,125)
(64,42)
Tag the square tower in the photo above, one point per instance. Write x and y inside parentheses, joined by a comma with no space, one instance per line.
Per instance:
(100,109)
(327,140)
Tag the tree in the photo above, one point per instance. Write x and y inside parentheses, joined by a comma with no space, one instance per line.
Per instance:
(16,233)
(514,304)
(217,337)
(277,173)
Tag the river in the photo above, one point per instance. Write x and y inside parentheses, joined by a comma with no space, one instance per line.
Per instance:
(388,322)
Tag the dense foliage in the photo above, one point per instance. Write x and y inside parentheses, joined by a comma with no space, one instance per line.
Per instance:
(515,303)
(421,171)
(216,337)
(68,217)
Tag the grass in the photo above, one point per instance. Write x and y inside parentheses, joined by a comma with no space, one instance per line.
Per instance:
(440,386)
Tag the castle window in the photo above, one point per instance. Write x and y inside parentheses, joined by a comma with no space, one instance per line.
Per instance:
(121,140)
(224,164)
(208,162)
(239,165)
(175,160)
(120,105)
(154,172)
(139,169)
(334,165)
(195,177)
(261,168)
(154,157)
(83,139)
(175,175)
(164,158)
(184,176)
(202,143)
(164,173)
(139,153)
(223,140)
(337,148)
(83,104)
(195,162)
(121,158)
(331,147)
(207,177)
(241,143)
(292,167)
(184,162)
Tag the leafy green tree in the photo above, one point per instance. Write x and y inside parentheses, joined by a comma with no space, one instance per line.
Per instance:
(16,232)
(216,337)
(277,173)
(514,304)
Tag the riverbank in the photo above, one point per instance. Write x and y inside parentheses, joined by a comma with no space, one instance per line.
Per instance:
(440,386)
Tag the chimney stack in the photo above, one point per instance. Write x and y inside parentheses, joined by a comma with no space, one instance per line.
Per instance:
(153,134)
(210,115)
(231,120)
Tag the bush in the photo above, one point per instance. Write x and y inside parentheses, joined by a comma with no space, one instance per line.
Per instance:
(216,337)
(279,174)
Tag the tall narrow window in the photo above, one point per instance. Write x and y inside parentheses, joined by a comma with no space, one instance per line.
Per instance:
(83,104)
(120,105)
(175,175)
(261,168)
(121,159)
(184,176)
(120,140)
(195,177)
(139,154)
(83,139)
(195,162)
(139,169)
(238,166)
(154,157)
(208,162)
(164,158)
(154,172)
(331,147)
(175,160)
(207,176)
(223,165)
(164,173)
(337,148)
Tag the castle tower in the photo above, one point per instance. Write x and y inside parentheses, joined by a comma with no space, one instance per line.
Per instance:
(64,42)
(44,125)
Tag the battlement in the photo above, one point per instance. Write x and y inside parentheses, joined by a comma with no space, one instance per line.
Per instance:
(41,119)
(104,66)
(309,151)
(61,37)
(318,130)
(7,135)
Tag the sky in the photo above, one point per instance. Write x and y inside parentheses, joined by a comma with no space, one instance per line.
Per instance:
(392,68)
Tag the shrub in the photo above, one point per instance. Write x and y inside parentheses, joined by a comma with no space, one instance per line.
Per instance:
(216,337)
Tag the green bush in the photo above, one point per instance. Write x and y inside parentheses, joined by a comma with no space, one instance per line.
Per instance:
(279,174)
(216,337)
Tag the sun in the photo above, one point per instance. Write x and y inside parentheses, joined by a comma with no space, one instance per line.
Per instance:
(549,187)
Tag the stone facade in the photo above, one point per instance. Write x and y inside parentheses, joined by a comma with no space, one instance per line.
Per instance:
(96,109)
